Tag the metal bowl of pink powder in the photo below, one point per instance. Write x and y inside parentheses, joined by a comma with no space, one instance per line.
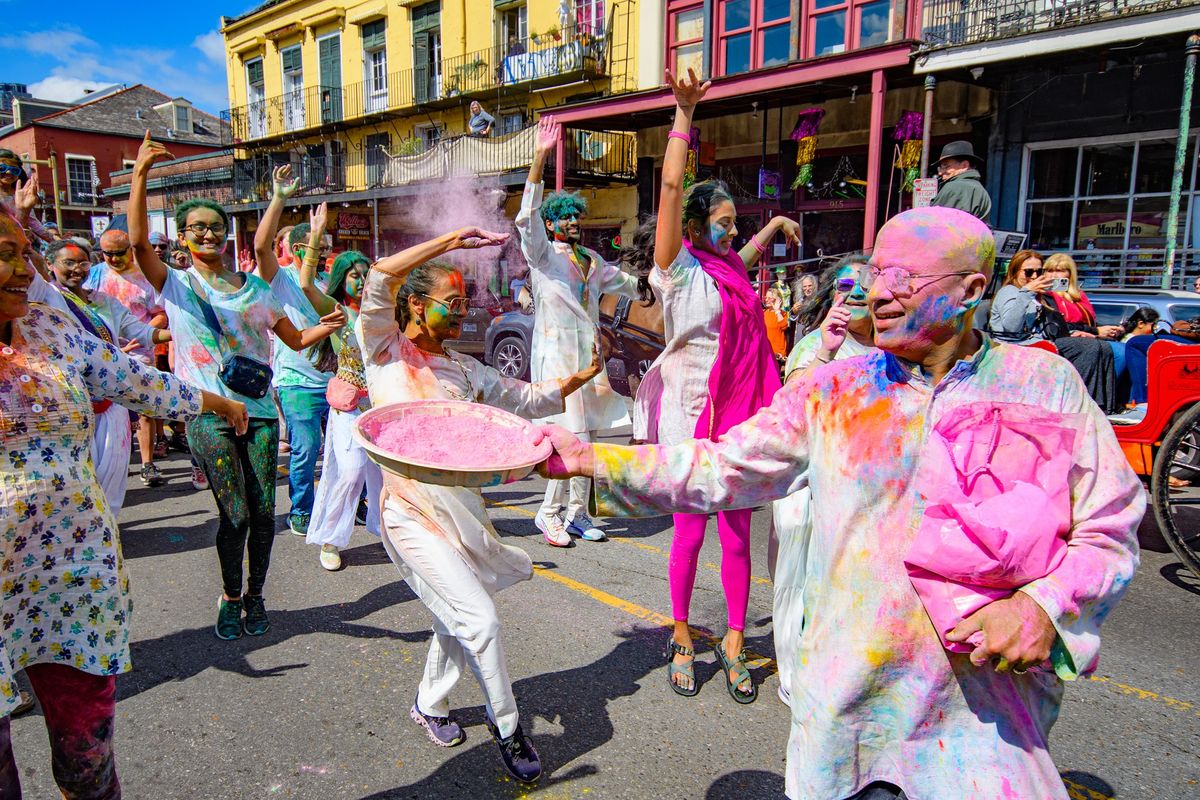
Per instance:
(450,442)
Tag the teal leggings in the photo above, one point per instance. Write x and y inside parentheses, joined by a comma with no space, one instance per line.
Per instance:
(241,472)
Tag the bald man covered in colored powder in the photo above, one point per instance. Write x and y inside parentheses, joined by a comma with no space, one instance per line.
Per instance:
(880,707)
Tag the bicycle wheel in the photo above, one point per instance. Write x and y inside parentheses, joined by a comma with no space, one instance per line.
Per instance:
(1177,508)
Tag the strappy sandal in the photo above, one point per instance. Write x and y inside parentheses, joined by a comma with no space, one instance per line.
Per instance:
(688,670)
(738,667)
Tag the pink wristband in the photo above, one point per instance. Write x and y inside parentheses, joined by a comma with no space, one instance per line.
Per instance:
(683,137)
(761,248)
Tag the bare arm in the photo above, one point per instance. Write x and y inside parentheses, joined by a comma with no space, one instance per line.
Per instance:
(139,229)
(321,302)
(668,237)
(283,187)
(300,339)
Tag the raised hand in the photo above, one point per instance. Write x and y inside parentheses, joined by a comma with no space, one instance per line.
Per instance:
(151,152)
(26,196)
(688,91)
(319,216)
(476,238)
(548,133)
(283,185)
(790,229)
(334,320)
(833,327)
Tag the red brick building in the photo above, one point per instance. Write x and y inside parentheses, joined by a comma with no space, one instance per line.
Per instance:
(97,137)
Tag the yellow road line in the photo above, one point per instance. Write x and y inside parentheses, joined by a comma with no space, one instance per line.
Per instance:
(1079,792)
(753,660)
(1143,694)
(626,540)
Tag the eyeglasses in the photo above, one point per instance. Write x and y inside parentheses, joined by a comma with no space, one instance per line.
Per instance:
(846,284)
(899,281)
(115,253)
(458,305)
(200,229)
(70,263)
(1033,272)
(9,169)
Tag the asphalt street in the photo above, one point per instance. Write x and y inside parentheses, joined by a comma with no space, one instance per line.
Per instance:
(318,708)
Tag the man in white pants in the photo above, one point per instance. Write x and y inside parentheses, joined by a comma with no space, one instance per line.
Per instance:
(106,319)
(567,280)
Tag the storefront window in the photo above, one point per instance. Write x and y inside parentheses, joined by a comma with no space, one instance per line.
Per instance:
(1112,196)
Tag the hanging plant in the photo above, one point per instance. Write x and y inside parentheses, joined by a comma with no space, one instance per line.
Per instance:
(908,133)
(808,122)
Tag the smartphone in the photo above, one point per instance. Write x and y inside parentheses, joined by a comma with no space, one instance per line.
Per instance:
(1060,285)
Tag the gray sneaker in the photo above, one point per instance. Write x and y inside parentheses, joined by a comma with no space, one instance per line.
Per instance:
(442,731)
(581,525)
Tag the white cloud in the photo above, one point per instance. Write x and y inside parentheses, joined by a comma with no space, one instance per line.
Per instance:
(212,44)
(63,88)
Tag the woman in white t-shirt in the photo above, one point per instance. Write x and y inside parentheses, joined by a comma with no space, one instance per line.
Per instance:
(217,313)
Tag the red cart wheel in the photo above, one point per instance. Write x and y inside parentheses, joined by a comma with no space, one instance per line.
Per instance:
(1177,508)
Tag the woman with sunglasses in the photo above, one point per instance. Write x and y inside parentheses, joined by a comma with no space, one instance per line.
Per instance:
(345,468)
(440,537)
(838,321)
(1024,312)
(220,322)
(716,371)
(13,178)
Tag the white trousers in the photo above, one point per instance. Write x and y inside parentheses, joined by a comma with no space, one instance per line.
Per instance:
(345,469)
(791,524)
(110,455)
(466,628)
(569,496)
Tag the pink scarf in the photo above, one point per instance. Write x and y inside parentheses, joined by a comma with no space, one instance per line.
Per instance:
(744,377)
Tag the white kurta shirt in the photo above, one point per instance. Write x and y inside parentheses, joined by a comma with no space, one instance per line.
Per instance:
(398,371)
(568,311)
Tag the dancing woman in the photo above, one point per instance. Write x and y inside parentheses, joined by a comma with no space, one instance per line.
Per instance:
(440,537)
(219,318)
(717,370)
(346,468)
(66,600)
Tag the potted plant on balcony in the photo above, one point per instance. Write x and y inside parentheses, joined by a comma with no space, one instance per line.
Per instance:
(535,37)
(554,33)
(412,146)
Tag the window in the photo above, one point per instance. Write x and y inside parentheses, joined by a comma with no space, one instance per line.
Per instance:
(835,26)
(377,147)
(589,16)
(514,29)
(752,34)
(428,134)
(183,119)
(427,52)
(256,111)
(126,163)
(511,122)
(293,87)
(375,65)
(1107,200)
(685,39)
(329,61)
(81,180)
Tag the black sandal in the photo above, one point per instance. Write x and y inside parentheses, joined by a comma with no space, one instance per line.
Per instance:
(687,669)
(737,666)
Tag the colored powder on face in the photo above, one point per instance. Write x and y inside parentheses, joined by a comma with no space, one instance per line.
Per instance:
(462,442)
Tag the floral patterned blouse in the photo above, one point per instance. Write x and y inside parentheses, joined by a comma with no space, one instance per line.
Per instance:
(64,593)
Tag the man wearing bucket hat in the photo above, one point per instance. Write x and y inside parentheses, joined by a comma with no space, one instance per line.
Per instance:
(958,170)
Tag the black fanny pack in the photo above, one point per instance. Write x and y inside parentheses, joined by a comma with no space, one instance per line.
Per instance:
(240,374)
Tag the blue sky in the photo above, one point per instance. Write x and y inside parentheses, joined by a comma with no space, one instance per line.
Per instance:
(62,48)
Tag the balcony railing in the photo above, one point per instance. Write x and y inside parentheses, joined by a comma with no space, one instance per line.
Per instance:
(590,155)
(956,22)
(552,58)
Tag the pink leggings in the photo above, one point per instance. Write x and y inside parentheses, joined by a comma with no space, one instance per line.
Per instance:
(733,527)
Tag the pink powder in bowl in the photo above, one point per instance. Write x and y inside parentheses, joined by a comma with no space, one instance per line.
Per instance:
(452,436)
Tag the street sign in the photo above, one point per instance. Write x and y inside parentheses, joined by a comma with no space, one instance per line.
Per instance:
(99,226)
(924,190)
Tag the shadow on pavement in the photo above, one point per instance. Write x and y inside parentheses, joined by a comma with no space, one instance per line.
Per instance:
(1179,575)
(1091,785)
(575,699)
(745,783)
(183,654)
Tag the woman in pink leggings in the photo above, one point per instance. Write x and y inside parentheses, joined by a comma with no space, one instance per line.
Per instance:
(716,371)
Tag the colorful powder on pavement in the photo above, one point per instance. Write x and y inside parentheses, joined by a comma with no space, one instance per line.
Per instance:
(459,442)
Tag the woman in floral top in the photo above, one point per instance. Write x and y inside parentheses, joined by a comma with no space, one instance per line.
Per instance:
(64,607)
(345,466)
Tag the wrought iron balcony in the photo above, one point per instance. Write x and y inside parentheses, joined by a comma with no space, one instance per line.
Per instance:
(552,58)
(948,23)
(591,155)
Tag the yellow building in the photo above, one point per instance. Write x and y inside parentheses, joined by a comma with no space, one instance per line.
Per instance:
(370,103)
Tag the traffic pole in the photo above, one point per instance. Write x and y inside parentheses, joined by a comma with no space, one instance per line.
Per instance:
(1181,148)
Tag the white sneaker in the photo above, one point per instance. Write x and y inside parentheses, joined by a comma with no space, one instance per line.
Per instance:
(582,526)
(553,529)
(199,479)
(330,559)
